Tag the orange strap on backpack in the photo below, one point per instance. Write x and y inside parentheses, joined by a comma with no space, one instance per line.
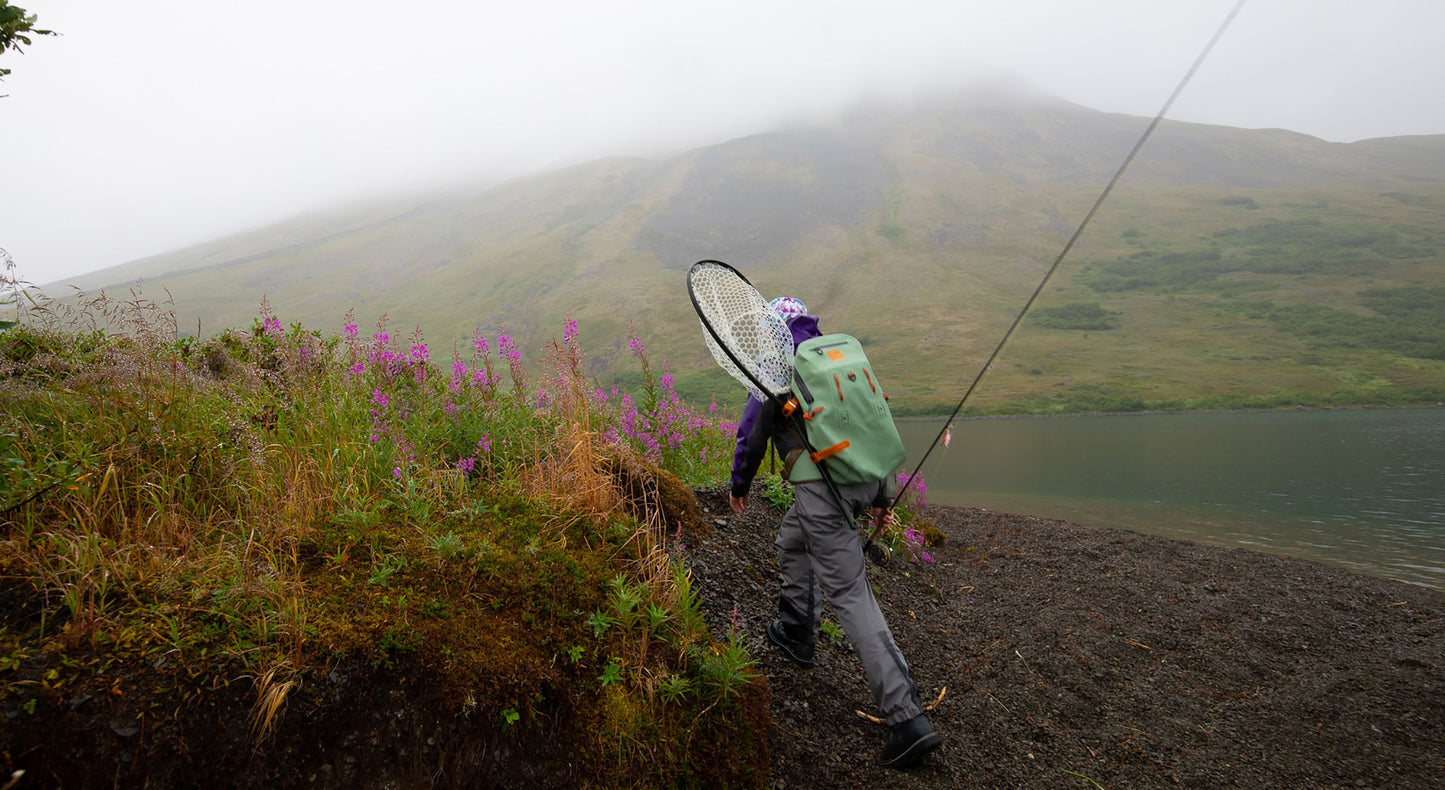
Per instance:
(828,452)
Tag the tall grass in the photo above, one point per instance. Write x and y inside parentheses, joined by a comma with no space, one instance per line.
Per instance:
(267,502)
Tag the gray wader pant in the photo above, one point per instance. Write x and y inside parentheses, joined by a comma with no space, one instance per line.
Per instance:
(819,550)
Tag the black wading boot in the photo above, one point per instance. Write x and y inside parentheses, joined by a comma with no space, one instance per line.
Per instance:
(908,742)
(800,653)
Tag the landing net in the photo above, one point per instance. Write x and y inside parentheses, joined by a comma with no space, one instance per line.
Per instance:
(745,336)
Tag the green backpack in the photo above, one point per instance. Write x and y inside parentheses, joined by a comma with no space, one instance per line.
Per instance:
(849,424)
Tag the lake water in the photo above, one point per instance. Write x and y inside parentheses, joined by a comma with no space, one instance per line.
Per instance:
(1364,489)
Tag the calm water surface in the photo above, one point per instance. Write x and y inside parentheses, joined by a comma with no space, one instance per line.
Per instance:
(1362,489)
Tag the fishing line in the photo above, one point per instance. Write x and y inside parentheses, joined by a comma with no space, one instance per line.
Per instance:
(903,490)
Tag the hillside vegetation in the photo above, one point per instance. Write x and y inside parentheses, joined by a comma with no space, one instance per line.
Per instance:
(1230,267)
(284,556)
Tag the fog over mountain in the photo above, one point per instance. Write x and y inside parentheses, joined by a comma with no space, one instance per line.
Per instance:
(915,222)
(153,125)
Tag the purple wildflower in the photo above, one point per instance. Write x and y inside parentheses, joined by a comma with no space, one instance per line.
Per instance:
(508,348)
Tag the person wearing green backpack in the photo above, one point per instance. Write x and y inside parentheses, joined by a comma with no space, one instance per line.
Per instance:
(819,554)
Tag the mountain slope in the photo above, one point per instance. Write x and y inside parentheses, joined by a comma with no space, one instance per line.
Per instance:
(922,229)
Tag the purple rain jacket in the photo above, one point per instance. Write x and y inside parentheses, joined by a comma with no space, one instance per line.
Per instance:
(762,421)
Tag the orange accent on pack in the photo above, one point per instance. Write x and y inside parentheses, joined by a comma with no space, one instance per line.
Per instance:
(790,407)
(839,385)
(835,355)
(828,452)
(814,413)
(870,380)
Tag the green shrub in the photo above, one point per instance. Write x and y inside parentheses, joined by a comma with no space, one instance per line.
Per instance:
(1088,316)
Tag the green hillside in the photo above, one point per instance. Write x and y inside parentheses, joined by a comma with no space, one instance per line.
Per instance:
(1230,267)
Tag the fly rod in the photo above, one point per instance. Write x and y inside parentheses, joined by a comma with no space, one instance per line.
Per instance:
(1119,174)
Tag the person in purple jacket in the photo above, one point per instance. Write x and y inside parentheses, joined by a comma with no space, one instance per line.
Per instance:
(820,554)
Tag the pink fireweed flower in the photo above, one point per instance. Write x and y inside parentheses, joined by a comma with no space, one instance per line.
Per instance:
(357,369)
(379,398)
(351,331)
(508,348)
(466,465)
(917,490)
(485,444)
(914,543)
(569,330)
(270,324)
(459,372)
(417,360)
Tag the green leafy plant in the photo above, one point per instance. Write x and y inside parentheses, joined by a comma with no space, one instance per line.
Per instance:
(600,622)
(688,623)
(725,665)
(674,688)
(447,546)
(832,630)
(384,567)
(611,673)
(777,491)
(657,616)
(625,600)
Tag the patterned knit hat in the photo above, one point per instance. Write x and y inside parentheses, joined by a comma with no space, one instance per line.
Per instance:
(788,308)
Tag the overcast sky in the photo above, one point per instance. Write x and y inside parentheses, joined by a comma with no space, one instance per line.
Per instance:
(153,124)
